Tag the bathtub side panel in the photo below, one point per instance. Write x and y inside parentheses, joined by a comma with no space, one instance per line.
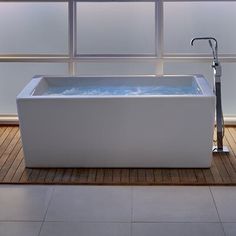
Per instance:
(117,132)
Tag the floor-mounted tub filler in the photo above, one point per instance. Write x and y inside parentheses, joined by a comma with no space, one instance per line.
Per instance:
(219,148)
(140,121)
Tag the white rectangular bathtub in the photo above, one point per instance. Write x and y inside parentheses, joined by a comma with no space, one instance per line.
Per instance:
(117,121)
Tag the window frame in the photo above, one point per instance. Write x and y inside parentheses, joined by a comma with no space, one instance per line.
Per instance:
(72,58)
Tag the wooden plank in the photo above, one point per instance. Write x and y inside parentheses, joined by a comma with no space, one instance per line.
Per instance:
(16,177)
(133,176)
(34,175)
(58,176)
(150,176)
(2,129)
(230,140)
(222,170)
(108,175)
(92,175)
(157,176)
(125,176)
(83,175)
(25,176)
(215,172)
(141,175)
(67,175)
(4,135)
(15,137)
(231,156)
(175,176)
(50,175)
(7,140)
(232,131)
(42,175)
(8,158)
(75,176)
(208,176)
(192,176)
(166,176)
(14,167)
(187,176)
(183,176)
(116,176)
(100,176)
(200,176)
(228,166)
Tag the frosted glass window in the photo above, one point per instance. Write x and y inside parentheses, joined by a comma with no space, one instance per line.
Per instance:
(33,28)
(116,28)
(185,20)
(228,88)
(14,77)
(118,68)
(228,79)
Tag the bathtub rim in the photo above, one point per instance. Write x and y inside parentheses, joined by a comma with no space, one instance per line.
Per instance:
(28,90)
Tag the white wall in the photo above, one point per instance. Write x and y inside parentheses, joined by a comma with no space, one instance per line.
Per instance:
(118,28)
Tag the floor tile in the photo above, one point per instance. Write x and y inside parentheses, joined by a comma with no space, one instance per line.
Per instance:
(90,204)
(25,203)
(19,228)
(173,204)
(230,229)
(177,229)
(225,199)
(85,229)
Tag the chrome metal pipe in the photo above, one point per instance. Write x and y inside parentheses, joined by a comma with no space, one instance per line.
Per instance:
(217,90)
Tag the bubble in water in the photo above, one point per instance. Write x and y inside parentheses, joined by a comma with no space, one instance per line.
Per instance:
(123,90)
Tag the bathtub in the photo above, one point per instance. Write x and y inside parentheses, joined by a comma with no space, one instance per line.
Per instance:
(117,130)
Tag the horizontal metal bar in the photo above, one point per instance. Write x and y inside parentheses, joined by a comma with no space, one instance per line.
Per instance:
(202,55)
(116,55)
(198,59)
(113,59)
(147,55)
(198,1)
(34,59)
(32,55)
(116,0)
(77,1)
(12,1)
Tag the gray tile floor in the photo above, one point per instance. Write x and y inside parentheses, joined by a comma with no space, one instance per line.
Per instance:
(117,211)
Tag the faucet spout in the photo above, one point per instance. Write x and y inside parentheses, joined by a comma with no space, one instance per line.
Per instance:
(214,49)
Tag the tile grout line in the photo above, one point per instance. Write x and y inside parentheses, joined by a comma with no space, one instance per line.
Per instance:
(176,222)
(41,226)
(217,210)
(132,211)
(49,202)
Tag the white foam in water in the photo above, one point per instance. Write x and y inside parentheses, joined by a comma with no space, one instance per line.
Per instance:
(123,90)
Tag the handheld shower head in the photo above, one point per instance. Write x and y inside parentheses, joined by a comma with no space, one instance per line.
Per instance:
(214,50)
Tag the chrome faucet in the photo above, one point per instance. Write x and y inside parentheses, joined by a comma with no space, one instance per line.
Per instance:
(217,90)
(214,49)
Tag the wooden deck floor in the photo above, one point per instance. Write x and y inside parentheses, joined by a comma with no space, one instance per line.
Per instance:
(12,168)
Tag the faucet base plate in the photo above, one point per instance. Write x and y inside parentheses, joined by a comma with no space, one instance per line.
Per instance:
(215,149)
